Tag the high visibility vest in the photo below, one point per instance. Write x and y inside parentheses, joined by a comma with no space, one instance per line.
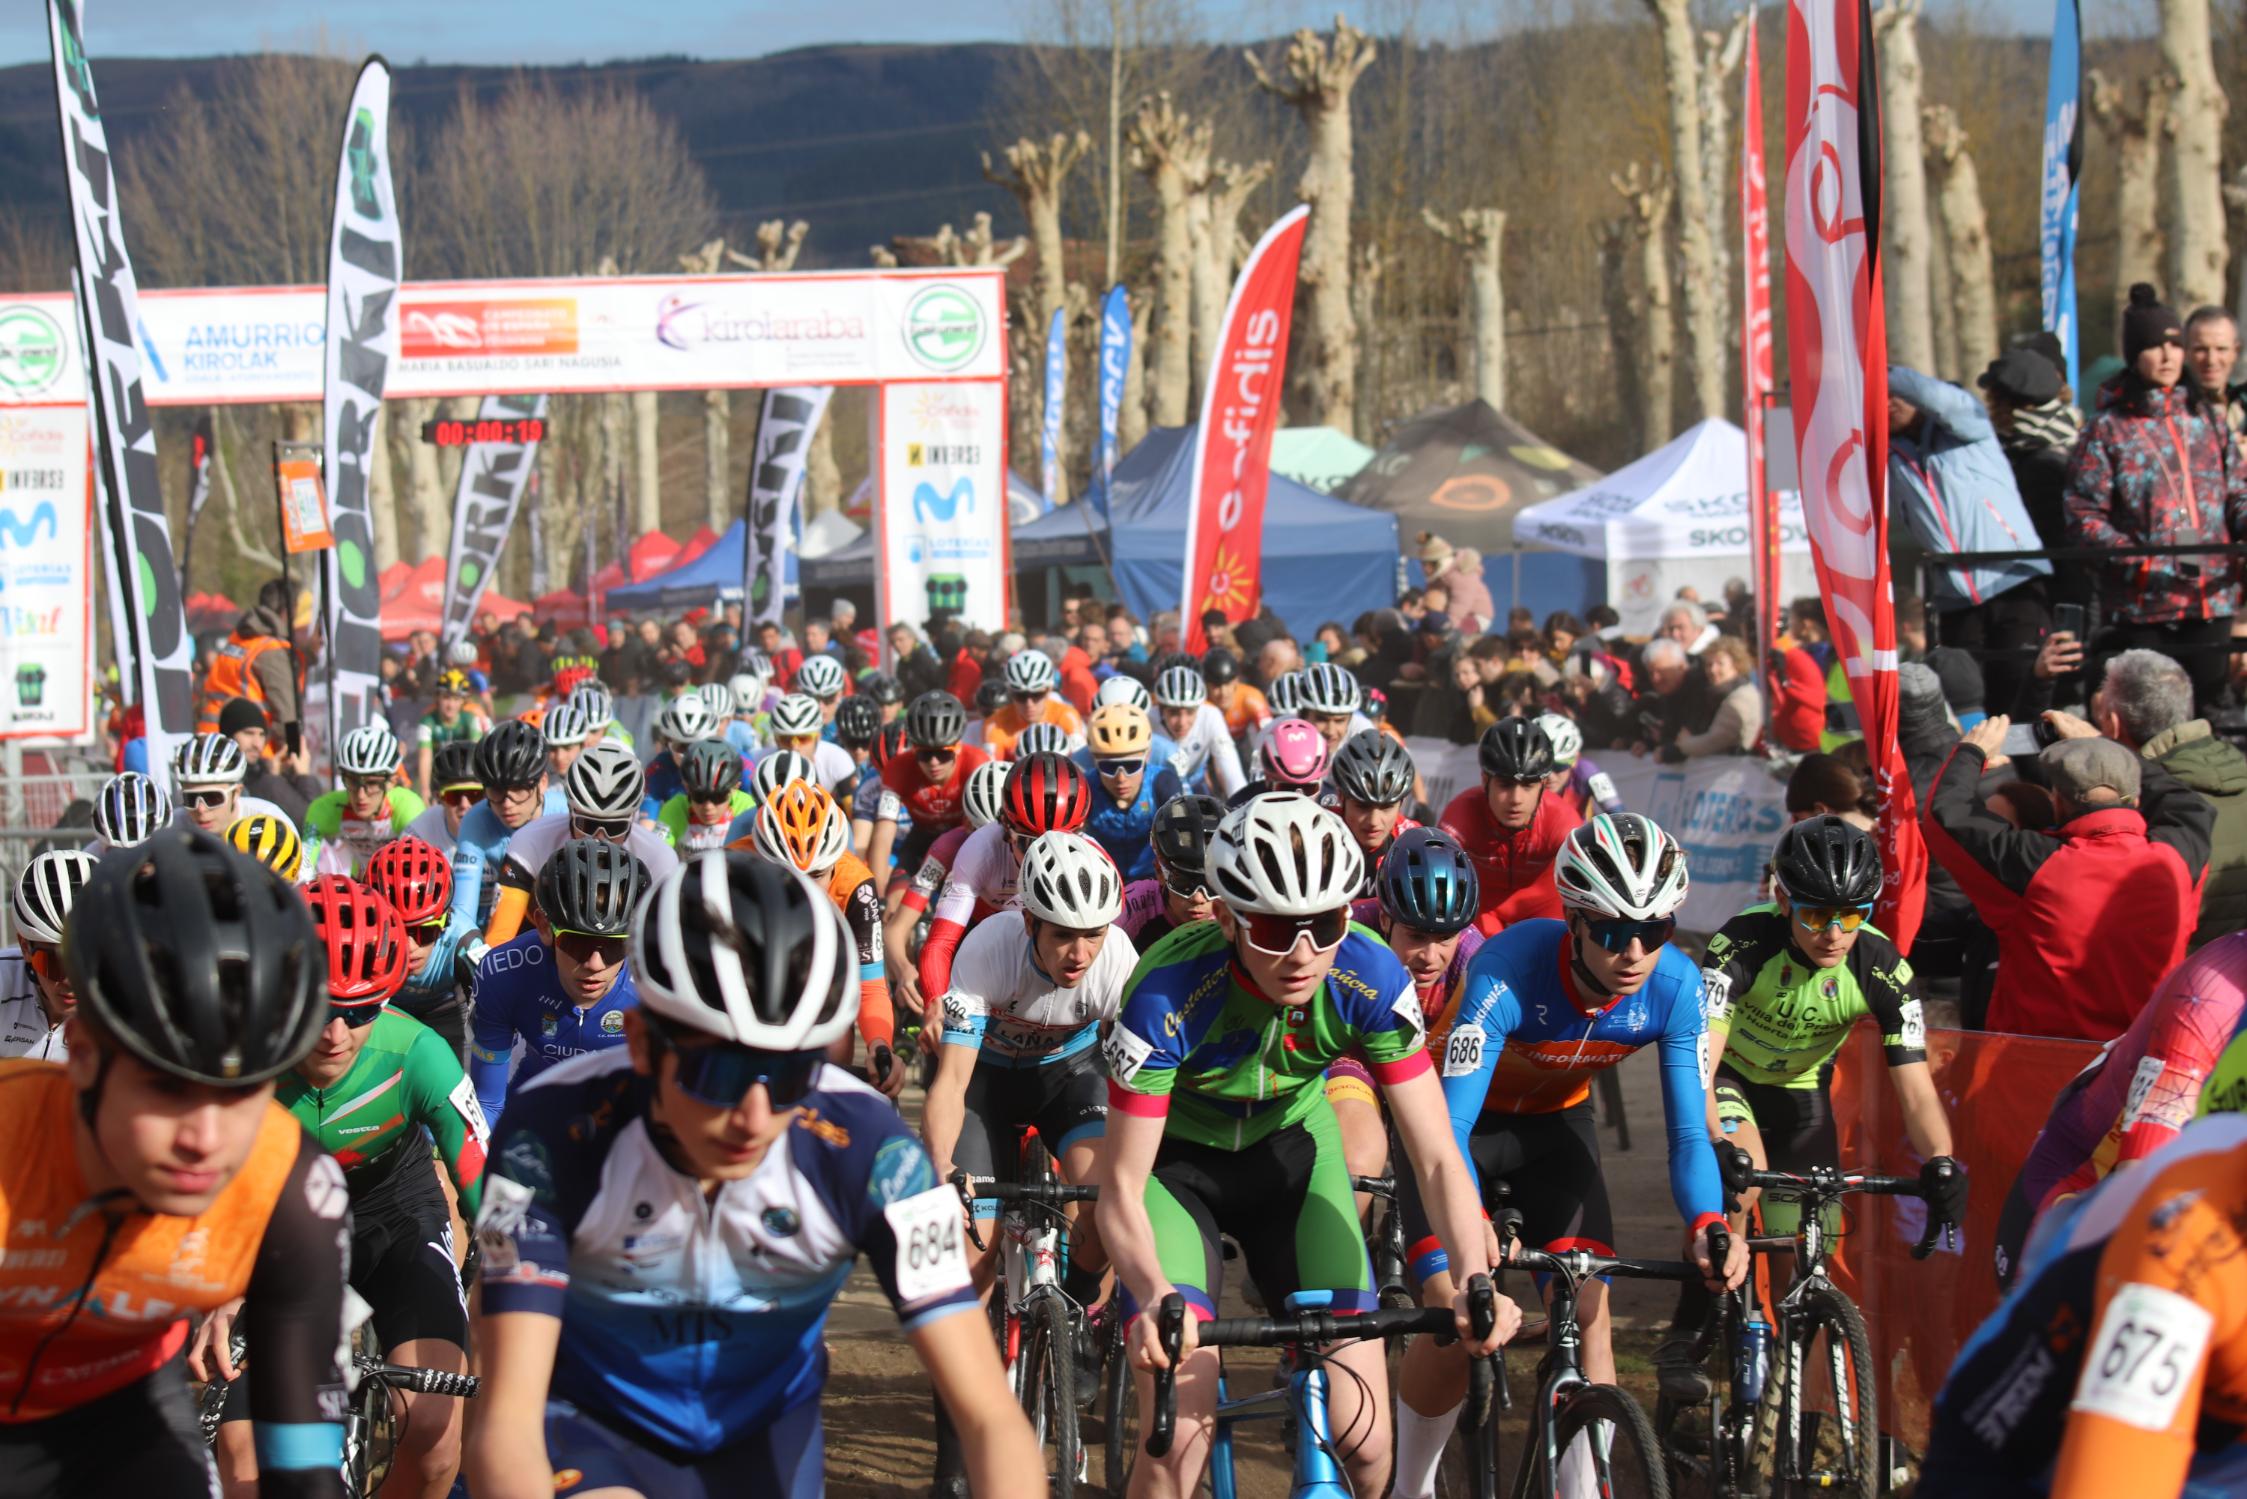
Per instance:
(1842,722)
(233,675)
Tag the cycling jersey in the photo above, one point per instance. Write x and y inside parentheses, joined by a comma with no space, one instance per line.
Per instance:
(690,837)
(434,993)
(433,828)
(2118,1365)
(95,1296)
(1247,711)
(1590,790)
(1146,913)
(1205,758)
(1783,1018)
(832,766)
(478,850)
(1349,1080)
(336,842)
(1005,726)
(26,1029)
(1514,870)
(1003,1007)
(936,866)
(519,993)
(527,853)
(871,800)
(694,1321)
(749,737)
(982,879)
(663,783)
(466,729)
(377,1120)
(1124,829)
(934,807)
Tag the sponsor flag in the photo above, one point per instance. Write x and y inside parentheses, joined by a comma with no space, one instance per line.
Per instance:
(493,476)
(1233,448)
(154,654)
(776,483)
(1755,354)
(1837,346)
(364,265)
(2063,175)
(198,495)
(1056,405)
(940,512)
(1115,357)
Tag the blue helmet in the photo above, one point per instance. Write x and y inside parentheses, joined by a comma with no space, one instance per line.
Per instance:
(1428,883)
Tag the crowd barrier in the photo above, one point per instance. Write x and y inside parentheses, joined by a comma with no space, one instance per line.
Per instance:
(1997,1089)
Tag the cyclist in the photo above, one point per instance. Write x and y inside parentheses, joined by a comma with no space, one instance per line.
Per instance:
(35,994)
(857,725)
(511,762)
(1043,794)
(442,953)
(207,773)
(562,987)
(1130,691)
(1119,758)
(799,727)
(1292,757)
(152,1178)
(745,731)
(566,732)
(802,827)
(452,773)
(718,698)
(710,797)
(1547,1005)
(822,679)
(2118,1363)
(1511,826)
(273,842)
(1178,895)
(875,810)
(343,828)
(749,1153)
(128,808)
(604,790)
(1206,757)
(684,721)
(1246,710)
(1330,698)
(1367,783)
(375,1090)
(1030,681)
(1044,739)
(1582,784)
(450,721)
(593,700)
(928,781)
(1285,695)
(979,806)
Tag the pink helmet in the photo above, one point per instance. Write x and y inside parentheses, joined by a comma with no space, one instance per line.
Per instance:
(1294,756)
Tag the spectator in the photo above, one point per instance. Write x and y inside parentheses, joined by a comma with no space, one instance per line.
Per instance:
(1949,476)
(1728,667)
(2088,921)
(819,640)
(1329,643)
(1675,698)
(254,662)
(1455,707)
(1687,623)
(2212,352)
(1601,703)
(1459,574)
(1962,683)
(1822,786)
(2037,430)
(1078,684)
(1798,698)
(785,658)
(2145,702)
(284,784)
(1949,930)
(1562,631)
(2153,469)
(918,670)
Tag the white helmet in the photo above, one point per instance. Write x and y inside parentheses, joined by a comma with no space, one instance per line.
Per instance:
(748,691)
(747,950)
(1568,740)
(606,782)
(1621,866)
(130,808)
(1181,687)
(1286,694)
(718,698)
(595,703)
(210,760)
(1069,880)
(1030,671)
(822,676)
(776,770)
(684,720)
(980,801)
(564,725)
(1127,689)
(796,716)
(1330,689)
(1283,854)
(369,750)
(1042,739)
(45,890)
(461,653)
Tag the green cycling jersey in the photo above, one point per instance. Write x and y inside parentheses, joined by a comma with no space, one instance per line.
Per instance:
(328,824)
(690,837)
(372,1119)
(1783,1018)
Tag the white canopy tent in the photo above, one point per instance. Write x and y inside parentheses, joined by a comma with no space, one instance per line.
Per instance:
(1678,516)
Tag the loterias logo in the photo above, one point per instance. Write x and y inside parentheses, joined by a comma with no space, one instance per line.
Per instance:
(681,324)
(944,328)
(31,352)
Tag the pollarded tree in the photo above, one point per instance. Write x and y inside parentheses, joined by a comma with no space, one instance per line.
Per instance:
(1214,217)
(1037,173)
(1479,235)
(2193,189)
(1171,151)
(1904,219)
(1643,237)
(1966,236)
(2134,121)
(1707,338)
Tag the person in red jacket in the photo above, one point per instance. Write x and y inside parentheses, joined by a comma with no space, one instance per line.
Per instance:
(1798,700)
(2086,922)
(1511,826)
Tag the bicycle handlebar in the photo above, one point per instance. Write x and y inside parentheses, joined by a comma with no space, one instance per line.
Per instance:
(1820,1185)
(1375,1186)
(419,1381)
(1580,1265)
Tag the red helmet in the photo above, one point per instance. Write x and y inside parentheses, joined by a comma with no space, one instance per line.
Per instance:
(1045,794)
(364,939)
(413,876)
(888,746)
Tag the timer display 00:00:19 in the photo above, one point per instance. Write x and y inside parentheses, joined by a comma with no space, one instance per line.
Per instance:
(447,433)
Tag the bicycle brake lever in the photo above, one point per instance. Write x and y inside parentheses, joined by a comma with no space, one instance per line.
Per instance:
(1170,1327)
(959,1181)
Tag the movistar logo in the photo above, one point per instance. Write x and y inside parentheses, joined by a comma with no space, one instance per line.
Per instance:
(927,502)
(365,164)
(24,533)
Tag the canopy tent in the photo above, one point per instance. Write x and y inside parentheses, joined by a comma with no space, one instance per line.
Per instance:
(1322,458)
(1464,472)
(416,600)
(1678,516)
(715,574)
(211,611)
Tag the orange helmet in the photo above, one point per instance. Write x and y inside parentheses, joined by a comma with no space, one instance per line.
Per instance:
(803,826)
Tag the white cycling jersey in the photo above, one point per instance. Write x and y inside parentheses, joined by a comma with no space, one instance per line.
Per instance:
(534,843)
(430,828)
(1000,1002)
(1208,747)
(26,1030)
(985,870)
(833,768)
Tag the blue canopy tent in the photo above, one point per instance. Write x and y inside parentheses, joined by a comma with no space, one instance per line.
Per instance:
(713,576)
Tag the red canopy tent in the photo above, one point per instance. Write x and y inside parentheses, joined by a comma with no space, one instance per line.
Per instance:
(652,553)
(701,541)
(417,600)
(211,611)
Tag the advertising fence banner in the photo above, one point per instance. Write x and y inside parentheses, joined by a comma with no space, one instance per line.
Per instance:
(940,507)
(1115,359)
(493,476)
(776,484)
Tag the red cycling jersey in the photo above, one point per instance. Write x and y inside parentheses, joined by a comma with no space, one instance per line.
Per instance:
(1515,870)
(933,805)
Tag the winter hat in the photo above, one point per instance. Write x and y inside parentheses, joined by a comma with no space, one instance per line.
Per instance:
(239,714)
(1919,690)
(1435,552)
(2148,323)
(2023,376)
(1960,676)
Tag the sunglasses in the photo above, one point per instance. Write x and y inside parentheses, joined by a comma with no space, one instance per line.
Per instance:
(509,793)
(608,829)
(463,797)
(44,959)
(358,1017)
(720,1075)
(1028,697)
(709,799)
(584,947)
(1618,935)
(366,783)
(1818,918)
(938,756)
(1196,891)
(429,931)
(1121,767)
(207,799)
(1277,935)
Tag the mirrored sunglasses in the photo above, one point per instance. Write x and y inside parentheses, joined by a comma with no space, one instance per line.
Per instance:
(1277,935)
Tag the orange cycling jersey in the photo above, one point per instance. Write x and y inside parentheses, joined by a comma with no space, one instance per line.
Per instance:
(1005,726)
(850,884)
(1248,710)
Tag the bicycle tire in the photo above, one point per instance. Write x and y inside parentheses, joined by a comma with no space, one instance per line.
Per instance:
(1850,1404)
(1632,1464)
(1119,1411)
(1049,1384)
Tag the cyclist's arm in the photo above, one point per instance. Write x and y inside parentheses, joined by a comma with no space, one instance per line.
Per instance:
(995,1438)
(506,1455)
(863,911)
(880,847)
(514,903)
(297,1335)
(1454,1209)
(1924,1120)
(491,1044)
(422,757)
(468,875)
(943,940)
(1694,1184)
(1486,1013)
(2192,1017)
(897,931)
(1141,1073)
(1224,764)
(946,1108)
(439,1096)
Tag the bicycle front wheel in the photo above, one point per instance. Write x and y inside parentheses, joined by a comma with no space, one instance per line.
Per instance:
(1119,1409)
(1619,1447)
(1049,1389)
(1826,1437)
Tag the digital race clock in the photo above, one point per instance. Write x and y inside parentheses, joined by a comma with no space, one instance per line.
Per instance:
(448,433)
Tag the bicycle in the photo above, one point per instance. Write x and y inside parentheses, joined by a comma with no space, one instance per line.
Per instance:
(1770,1427)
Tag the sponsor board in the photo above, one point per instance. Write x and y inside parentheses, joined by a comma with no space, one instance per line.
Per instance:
(941,513)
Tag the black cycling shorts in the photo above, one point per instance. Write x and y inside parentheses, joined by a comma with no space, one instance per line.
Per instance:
(1067,1102)
(143,1441)
(1550,1165)
(1798,1130)
(784,1461)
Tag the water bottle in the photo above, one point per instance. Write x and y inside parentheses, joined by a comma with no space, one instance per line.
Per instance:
(1755,1352)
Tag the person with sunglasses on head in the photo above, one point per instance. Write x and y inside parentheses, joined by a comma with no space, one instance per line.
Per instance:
(207,772)
(1031,683)
(1367,785)
(719,1130)
(1040,795)
(800,727)
(458,790)
(160,1180)
(907,900)
(1512,825)
(1129,786)
(35,994)
(1178,895)
(931,775)
(1547,1005)
(452,719)
(710,798)
(511,762)
(562,987)
(376,1089)
(343,828)
(1204,756)
(442,951)
(604,792)
(1218,1120)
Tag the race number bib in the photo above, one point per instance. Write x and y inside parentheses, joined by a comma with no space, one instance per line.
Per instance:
(931,1245)
(463,1098)
(2138,1368)
(1915,1026)
(1125,1053)
(1462,1054)
(1716,993)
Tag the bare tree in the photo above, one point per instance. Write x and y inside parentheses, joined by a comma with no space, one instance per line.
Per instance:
(1172,152)
(1646,193)
(2134,123)
(2235,193)
(1721,56)
(2194,185)
(415,462)
(1904,219)
(1696,215)
(1214,221)
(1479,235)
(1319,75)
(1036,174)
(778,244)
(1966,234)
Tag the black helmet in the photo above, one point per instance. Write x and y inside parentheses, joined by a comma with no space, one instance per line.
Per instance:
(881,687)
(990,696)
(1183,827)
(936,720)
(1428,883)
(1373,768)
(710,768)
(512,754)
(1516,749)
(858,722)
(198,960)
(1827,861)
(590,885)
(454,765)
(1220,666)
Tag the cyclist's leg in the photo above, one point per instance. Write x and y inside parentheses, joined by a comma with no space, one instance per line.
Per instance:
(1186,1179)
(143,1441)
(421,1322)
(988,1122)
(1736,1125)
(1797,1129)
(1564,1193)
(1433,1377)
(1357,1108)
(1072,1119)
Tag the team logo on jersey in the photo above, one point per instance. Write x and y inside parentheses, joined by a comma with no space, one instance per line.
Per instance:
(549,1027)
(612,1024)
(900,1170)
(781,1222)
(324,1189)
(1462,1054)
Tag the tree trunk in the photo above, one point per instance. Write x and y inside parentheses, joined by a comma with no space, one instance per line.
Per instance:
(1966,235)
(1647,192)
(1216,214)
(1696,220)
(1172,152)
(1939,297)
(2134,124)
(717,458)
(382,492)
(2195,204)
(1721,56)
(1479,234)
(647,457)
(1038,175)
(1131,422)
(823,476)
(426,497)
(1618,254)
(1904,218)
(1319,78)
(2235,193)
(1365,306)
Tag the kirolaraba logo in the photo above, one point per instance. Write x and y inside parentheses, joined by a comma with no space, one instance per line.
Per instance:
(681,324)
(31,351)
(944,328)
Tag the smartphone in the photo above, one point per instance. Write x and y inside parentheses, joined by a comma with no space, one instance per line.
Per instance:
(2068,617)
(2046,735)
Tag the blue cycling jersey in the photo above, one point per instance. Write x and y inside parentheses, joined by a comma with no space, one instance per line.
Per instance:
(438,978)
(519,993)
(479,848)
(697,1321)
(1126,831)
(664,782)
(1525,1042)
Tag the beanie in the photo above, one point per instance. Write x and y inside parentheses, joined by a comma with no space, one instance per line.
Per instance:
(1960,676)
(2147,323)
(239,714)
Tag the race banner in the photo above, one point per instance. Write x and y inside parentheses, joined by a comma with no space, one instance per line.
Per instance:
(1233,447)
(198,495)
(940,509)
(46,529)
(493,476)
(1056,405)
(154,653)
(1115,358)
(364,258)
(776,482)
(1837,346)
(1755,358)
(2063,176)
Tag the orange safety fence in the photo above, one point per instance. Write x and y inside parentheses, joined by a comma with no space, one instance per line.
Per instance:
(1997,1089)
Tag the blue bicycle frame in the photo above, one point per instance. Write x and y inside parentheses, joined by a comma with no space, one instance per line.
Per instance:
(1317,1475)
